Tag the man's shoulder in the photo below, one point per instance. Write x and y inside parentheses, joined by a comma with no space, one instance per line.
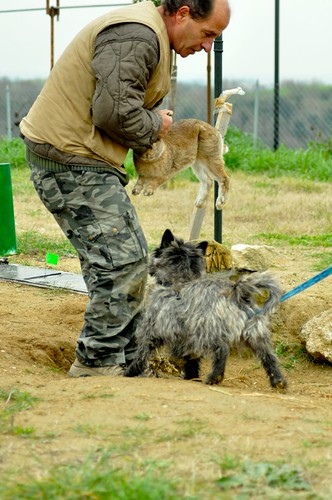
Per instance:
(127,31)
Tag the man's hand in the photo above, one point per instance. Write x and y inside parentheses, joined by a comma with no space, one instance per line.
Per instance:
(167,118)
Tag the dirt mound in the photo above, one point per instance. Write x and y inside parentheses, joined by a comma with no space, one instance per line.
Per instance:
(166,419)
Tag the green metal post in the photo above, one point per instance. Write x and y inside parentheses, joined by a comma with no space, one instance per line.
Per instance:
(7,221)
(276,77)
(218,49)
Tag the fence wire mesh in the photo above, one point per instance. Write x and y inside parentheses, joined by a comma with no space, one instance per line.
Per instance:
(305,106)
(305,109)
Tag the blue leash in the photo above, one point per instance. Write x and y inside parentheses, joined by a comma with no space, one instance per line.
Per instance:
(315,279)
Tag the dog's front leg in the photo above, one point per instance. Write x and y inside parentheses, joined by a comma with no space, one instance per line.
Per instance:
(219,359)
(146,185)
(136,367)
(191,368)
(142,357)
(138,186)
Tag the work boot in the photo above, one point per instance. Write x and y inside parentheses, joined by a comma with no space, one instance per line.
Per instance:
(77,369)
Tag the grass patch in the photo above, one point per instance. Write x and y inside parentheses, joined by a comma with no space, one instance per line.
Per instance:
(262,479)
(136,434)
(13,152)
(13,402)
(23,431)
(317,240)
(33,243)
(190,427)
(94,478)
(143,416)
(314,162)
(187,429)
(292,354)
(97,396)
(88,430)
(324,260)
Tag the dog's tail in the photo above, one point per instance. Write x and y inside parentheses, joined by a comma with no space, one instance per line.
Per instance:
(257,293)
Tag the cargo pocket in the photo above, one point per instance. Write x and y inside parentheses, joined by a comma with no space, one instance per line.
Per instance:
(125,238)
(114,243)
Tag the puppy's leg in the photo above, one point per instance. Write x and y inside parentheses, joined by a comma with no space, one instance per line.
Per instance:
(216,170)
(206,173)
(142,357)
(260,342)
(138,186)
(157,327)
(205,184)
(219,359)
(147,340)
(223,188)
(191,368)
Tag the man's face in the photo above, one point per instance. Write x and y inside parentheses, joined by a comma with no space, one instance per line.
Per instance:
(191,35)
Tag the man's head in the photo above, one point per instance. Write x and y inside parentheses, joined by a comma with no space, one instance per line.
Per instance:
(193,25)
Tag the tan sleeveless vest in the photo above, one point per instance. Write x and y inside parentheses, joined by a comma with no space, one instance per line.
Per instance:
(61,114)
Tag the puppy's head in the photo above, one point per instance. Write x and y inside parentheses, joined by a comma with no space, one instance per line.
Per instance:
(176,262)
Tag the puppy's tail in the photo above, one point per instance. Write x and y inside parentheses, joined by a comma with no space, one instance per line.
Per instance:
(257,293)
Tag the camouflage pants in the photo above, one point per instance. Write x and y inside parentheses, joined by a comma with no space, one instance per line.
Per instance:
(95,213)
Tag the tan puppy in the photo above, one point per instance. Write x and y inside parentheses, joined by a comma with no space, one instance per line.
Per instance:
(189,143)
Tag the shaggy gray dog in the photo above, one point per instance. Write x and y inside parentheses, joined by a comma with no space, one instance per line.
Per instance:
(195,314)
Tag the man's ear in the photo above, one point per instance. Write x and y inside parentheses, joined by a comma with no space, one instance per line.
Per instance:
(182,13)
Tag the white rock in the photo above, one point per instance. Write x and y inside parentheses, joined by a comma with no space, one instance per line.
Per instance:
(317,334)
(252,257)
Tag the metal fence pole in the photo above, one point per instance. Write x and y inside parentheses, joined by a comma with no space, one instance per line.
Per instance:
(276,78)
(218,49)
(256,113)
(9,114)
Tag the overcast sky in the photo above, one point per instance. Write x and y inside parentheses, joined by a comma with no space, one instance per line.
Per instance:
(305,40)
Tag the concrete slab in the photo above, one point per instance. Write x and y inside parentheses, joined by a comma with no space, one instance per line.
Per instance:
(42,277)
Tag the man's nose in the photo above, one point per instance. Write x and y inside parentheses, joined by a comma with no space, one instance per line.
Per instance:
(207,46)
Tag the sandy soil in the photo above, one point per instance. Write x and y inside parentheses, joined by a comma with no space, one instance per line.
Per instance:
(242,417)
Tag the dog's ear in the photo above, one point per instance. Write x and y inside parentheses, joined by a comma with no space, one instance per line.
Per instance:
(167,238)
(202,245)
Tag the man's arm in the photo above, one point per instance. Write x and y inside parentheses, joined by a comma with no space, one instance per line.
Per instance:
(126,56)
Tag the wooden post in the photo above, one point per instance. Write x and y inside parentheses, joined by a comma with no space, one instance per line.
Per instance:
(225,110)
(52,12)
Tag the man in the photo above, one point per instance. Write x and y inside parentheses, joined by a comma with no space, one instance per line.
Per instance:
(100,100)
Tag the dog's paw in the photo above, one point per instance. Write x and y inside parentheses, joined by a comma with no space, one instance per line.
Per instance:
(280,384)
(137,189)
(220,202)
(200,202)
(133,370)
(148,192)
(212,380)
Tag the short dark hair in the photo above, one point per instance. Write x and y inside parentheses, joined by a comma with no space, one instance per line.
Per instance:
(199,9)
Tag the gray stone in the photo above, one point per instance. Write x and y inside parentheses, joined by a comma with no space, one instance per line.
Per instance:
(317,335)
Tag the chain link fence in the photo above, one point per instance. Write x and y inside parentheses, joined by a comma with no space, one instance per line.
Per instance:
(305,109)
